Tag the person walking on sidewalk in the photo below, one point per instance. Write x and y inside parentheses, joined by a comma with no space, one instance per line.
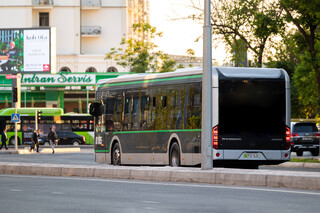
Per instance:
(34,141)
(37,143)
(4,139)
(51,137)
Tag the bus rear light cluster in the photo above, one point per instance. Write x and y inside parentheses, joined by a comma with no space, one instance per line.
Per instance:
(288,138)
(318,135)
(215,137)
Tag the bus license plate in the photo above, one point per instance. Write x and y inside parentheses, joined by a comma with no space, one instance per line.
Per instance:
(252,156)
(306,139)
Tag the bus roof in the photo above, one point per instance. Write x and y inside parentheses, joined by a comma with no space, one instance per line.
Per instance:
(150,76)
(31,111)
(232,72)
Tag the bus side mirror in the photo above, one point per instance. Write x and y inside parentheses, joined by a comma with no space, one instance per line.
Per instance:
(96,109)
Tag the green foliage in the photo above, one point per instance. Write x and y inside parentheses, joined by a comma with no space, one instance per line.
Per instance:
(305,16)
(138,53)
(246,25)
(168,64)
(3,46)
(19,46)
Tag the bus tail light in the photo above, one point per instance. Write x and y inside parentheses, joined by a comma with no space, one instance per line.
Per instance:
(318,135)
(288,144)
(215,137)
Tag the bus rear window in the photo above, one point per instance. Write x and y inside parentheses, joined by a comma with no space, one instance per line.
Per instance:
(252,107)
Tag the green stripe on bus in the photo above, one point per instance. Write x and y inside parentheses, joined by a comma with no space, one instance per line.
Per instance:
(157,131)
(101,150)
(151,80)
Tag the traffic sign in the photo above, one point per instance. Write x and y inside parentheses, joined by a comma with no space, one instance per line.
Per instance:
(15,117)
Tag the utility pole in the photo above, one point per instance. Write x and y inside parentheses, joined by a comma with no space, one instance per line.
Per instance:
(206,125)
(16,94)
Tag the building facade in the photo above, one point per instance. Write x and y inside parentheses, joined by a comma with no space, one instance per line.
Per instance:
(85,31)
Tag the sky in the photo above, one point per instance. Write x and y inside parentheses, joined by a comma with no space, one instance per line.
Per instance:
(178,35)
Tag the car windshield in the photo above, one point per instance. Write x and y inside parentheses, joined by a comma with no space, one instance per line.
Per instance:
(305,128)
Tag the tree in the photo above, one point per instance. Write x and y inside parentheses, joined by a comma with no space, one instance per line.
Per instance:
(168,64)
(305,16)
(139,53)
(286,57)
(253,22)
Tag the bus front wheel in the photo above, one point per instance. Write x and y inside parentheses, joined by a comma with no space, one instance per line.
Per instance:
(174,155)
(116,155)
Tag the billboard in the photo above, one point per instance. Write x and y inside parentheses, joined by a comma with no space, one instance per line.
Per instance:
(26,50)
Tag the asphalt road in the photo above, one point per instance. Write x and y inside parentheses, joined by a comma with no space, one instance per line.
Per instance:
(68,194)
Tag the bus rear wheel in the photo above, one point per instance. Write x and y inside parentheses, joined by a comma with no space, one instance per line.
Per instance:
(174,155)
(12,141)
(116,155)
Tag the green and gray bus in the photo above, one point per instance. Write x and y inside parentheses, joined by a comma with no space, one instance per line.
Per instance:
(155,119)
(82,124)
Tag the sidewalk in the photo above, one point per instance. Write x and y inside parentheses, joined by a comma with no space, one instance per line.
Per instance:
(26,150)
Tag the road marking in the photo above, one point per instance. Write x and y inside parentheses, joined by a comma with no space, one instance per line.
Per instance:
(15,190)
(149,208)
(58,193)
(168,184)
(150,202)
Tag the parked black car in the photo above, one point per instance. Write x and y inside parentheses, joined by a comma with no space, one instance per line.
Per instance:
(65,138)
(305,137)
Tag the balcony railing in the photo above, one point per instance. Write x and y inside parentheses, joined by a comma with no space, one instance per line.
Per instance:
(91,3)
(40,3)
(90,31)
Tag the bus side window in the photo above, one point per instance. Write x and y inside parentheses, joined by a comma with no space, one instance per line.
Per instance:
(135,114)
(194,107)
(144,100)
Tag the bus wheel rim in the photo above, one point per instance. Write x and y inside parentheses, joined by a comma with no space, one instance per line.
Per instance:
(175,158)
(116,156)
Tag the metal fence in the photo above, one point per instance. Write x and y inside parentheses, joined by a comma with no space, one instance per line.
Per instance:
(91,3)
(90,30)
(42,2)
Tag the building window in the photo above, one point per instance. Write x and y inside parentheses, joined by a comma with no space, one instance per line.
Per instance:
(65,69)
(112,69)
(91,69)
(44,19)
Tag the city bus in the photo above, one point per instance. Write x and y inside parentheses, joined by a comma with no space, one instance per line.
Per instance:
(81,124)
(155,119)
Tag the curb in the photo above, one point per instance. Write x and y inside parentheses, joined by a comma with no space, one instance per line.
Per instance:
(243,177)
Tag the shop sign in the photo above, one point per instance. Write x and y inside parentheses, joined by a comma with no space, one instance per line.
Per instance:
(60,79)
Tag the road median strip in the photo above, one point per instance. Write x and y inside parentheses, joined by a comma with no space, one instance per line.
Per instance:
(240,177)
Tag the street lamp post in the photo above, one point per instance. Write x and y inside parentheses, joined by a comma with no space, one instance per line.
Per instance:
(206,133)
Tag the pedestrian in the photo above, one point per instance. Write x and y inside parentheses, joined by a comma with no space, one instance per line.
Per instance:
(4,139)
(37,143)
(34,140)
(51,137)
